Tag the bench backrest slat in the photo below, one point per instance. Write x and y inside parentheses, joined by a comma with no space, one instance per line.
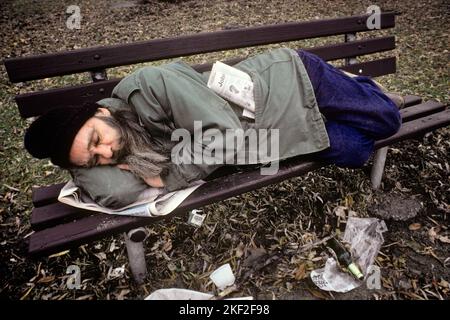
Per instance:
(36,103)
(101,57)
(374,68)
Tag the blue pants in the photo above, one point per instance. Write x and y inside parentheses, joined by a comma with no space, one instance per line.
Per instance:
(357,112)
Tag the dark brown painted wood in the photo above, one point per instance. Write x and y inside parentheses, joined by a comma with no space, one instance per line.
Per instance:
(55,213)
(411,100)
(333,51)
(373,68)
(421,110)
(353,48)
(97,226)
(418,127)
(36,103)
(42,196)
(102,57)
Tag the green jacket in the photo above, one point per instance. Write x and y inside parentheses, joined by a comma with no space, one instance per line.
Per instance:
(174,95)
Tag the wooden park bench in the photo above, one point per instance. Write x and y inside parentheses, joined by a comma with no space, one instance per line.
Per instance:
(59,227)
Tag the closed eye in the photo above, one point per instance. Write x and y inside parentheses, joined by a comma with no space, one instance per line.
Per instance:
(94,160)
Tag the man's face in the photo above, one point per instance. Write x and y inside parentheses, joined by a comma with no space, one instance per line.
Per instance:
(96,143)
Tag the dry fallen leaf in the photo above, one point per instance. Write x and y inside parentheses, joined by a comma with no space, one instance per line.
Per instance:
(46,279)
(255,255)
(414,226)
(340,211)
(445,239)
(113,246)
(300,272)
(240,250)
(433,233)
(444,284)
(167,246)
(85,297)
(122,294)
(100,255)
(59,254)
(317,294)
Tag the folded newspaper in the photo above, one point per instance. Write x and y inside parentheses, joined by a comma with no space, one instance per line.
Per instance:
(234,85)
(151,202)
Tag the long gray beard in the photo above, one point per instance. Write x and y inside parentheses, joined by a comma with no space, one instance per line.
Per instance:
(143,155)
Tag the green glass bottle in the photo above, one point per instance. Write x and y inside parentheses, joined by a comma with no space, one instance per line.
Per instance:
(345,258)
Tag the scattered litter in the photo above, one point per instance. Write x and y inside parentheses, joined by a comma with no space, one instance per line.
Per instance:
(116,272)
(195,219)
(178,294)
(365,236)
(223,277)
(185,294)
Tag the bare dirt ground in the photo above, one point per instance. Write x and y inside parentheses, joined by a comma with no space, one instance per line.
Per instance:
(257,232)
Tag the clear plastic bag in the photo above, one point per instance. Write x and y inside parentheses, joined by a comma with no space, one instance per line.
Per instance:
(365,236)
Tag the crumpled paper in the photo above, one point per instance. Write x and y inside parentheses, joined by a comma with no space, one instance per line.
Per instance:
(222,277)
(185,294)
(365,236)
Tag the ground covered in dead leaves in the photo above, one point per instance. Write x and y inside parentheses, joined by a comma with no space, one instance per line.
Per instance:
(262,234)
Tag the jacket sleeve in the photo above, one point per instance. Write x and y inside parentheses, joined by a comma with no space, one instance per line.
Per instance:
(182,106)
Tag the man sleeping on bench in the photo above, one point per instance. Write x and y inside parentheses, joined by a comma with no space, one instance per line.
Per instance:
(118,146)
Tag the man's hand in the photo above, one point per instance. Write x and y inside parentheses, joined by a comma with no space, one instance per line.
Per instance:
(155,182)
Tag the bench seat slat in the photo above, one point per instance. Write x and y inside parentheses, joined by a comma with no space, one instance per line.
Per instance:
(100,225)
(421,110)
(37,103)
(62,63)
(411,100)
(55,213)
(42,196)
(417,128)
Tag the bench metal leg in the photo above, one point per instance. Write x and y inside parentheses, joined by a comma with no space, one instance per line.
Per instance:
(134,241)
(378,167)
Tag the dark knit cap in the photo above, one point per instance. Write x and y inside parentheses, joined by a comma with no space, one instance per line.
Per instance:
(52,134)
